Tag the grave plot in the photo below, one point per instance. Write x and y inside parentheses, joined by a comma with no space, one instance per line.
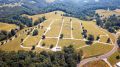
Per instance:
(55,28)
(66,30)
(48,43)
(77,29)
(75,43)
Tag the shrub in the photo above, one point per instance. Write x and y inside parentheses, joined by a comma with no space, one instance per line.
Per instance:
(35,32)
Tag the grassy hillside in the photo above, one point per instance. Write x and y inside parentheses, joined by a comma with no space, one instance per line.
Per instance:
(55,25)
(106,13)
(7,27)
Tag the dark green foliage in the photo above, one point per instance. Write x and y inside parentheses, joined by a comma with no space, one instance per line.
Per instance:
(90,39)
(118,57)
(6,35)
(33,48)
(111,24)
(108,40)
(84,33)
(13,32)
(97,38)
(61,36)
(118,41)
(88,42)
(43,37)
(35,32)
(51,46)
(43,44)
(3,35)
(18,20)
(22,40)
(24,20)
(40,20)
(66,58)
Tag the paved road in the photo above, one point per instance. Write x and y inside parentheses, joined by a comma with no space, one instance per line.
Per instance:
(101,56)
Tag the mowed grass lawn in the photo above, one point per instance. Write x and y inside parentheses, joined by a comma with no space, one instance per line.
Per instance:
(66,30)
(50,15)
(106,13)
(96,49)
(76,43)
(113,58)
(77,29)
(33,40)
(92,28)
(7,27)
(55,28)
(14,45)
(104,39)
(99,63)
(111,36)
(48,43)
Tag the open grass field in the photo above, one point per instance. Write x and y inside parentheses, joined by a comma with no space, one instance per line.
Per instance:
(49,42)
(106,13)
(99,63)
(77,29)
(92,28)
(66,31)
(7,27)
(96,49)
(53,27)
(75,43)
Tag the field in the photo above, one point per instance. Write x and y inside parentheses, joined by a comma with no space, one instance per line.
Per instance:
(70,28)
(107,13)
(99,63)
(7,27)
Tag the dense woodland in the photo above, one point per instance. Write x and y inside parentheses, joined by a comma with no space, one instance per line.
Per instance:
(111,24)
(66,58)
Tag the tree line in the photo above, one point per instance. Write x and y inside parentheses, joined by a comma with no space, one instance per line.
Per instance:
(68,57)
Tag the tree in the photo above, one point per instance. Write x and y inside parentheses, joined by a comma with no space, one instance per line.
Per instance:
(112,30)
(43,37)
(3,35)
(97,38)
(118,41)
(13,32)
(118,57)
(84,35)
(35,32)
(16,36)
(51,46)
(61,36)
(108,40)
(55,12)
(43,44)
(91,37)
(22,40)
(33,48)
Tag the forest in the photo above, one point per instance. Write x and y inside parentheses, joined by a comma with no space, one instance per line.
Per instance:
(68,57)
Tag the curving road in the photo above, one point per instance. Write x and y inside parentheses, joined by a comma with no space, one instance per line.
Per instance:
(84,61)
